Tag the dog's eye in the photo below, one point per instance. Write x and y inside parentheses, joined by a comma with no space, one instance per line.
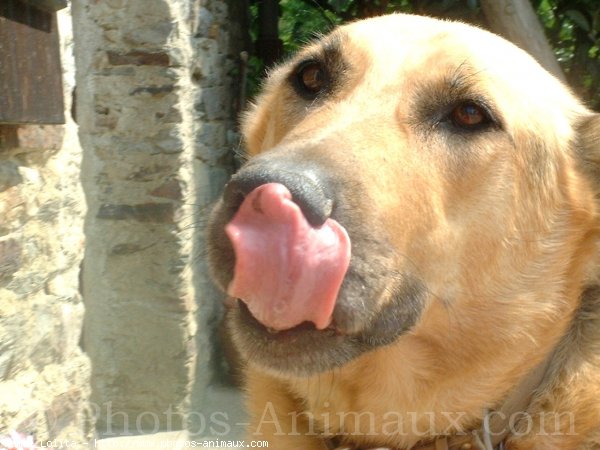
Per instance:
(469,116)
(310,79)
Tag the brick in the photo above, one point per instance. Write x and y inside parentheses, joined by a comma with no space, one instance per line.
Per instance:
(170,189)
(153,90)
(149,173)
(139,58)
(145,212)
(125,249)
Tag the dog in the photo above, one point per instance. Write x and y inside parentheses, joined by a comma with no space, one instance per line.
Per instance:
(414,244)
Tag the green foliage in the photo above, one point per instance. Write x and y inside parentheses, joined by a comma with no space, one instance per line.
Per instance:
(572,27)
(302,22)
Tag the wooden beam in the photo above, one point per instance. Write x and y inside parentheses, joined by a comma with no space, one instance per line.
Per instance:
(268,45)
(48,5)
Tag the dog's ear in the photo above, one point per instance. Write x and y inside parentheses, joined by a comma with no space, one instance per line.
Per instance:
(588,149)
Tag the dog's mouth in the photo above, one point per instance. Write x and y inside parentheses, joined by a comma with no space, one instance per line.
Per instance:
(304,328)
(287,271)
(300,350)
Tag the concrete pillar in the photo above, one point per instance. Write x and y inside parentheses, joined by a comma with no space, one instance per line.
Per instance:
(156,110)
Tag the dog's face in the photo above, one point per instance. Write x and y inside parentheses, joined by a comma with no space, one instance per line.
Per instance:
(439,164)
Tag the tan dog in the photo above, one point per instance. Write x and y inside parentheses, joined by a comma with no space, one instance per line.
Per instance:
(415,246)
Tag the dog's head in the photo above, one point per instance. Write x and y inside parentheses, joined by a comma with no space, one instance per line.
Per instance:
(409,177)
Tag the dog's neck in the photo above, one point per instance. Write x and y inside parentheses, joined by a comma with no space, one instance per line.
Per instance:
(496,425)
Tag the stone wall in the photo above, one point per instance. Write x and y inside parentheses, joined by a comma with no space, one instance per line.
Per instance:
(156,84)
(44,376)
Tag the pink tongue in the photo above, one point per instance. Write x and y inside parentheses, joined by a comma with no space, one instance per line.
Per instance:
(286,271)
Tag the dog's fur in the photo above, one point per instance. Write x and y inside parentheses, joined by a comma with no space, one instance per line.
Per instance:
(494,229)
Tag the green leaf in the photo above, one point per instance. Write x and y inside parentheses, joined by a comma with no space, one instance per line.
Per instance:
(579,19)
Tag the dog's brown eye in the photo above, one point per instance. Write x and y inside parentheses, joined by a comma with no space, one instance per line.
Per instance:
(311,79)
(469,115)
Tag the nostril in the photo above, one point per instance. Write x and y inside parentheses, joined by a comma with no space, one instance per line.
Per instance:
(308,193)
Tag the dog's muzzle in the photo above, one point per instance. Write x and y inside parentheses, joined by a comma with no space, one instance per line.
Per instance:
(290,255)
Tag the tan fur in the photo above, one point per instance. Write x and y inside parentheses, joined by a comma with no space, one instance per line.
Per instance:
(501,298)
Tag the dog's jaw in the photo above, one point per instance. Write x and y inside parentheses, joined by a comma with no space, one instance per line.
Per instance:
(305,351)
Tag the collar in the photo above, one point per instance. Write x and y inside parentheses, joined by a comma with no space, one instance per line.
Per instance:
(495,428)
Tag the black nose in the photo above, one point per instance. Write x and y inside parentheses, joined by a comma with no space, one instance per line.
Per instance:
(308,189)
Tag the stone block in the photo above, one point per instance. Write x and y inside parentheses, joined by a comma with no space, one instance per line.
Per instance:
(173,115)
(170,189)
(12,208)
(213,134)
(71,318)
(44,347)
(206,66)
(10,258)
(155,34)
(205,21)
(153,90)
(15,396)
(139,58)
(7,351)
(214,103)
(29,283)
(50,210)
(63,411)
(32,137)
(106,122)
(151,172)
(13,338)
(220,10)
(9,175)
(116,4)
(146,212)
(41,137)
(117,71)
(125,249)
(168,144)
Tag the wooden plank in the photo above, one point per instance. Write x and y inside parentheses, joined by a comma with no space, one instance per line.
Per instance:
(30,68)
(48,5)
